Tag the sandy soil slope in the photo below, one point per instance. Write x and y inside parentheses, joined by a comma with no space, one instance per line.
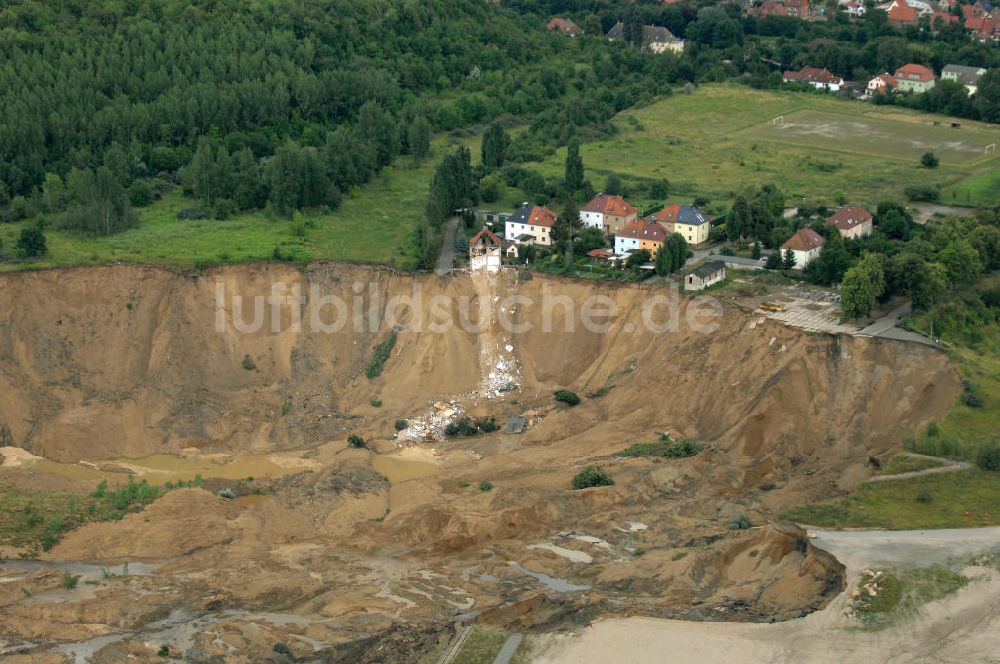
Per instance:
(387,547)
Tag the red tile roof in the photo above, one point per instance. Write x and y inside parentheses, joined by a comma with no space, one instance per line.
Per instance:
(813,75)
(563,25)
(608,204)
(485,235)
(805,240)
(849,216)
(667,215)
(885,81)
(914,72)
(642,230)
(902,14)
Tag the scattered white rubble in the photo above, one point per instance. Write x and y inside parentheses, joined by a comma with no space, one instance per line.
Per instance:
(570,554)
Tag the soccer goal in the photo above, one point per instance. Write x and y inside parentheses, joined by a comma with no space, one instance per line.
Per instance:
(780,120)
(990,149)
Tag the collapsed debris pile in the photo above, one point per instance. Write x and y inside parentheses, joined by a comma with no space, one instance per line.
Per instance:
(430,427)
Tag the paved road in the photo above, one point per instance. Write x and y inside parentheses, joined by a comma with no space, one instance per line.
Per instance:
(446,261)
(858,549)
(886,322)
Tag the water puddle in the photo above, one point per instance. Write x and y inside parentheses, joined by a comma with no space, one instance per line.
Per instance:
(550,582)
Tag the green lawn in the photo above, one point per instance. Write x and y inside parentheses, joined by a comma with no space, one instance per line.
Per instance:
(375,224)
(981,188)
(704,144)
(894,505)
(901,594)
(905,463)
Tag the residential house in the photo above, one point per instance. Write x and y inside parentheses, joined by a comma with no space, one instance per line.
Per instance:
(797,8)
(608,213)
(852,221)
(564,26)
(855,9)
(638,235)
(484,251)
(686,220)
(939,20)
(967,76)
(901,14)
(982,20)
(806,245)
(600,255)
(702,277)
(816,77)
(530,224)
(914,78)
(770,8)
(655,38)
(884,83)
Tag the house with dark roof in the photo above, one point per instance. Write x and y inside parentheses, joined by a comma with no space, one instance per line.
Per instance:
(609,213)
(818,78)
(702,277)
(655,38)
(914,78)
(967,76)
(805,245)
(530,224)
(852,221)
(564,26)
(484,251)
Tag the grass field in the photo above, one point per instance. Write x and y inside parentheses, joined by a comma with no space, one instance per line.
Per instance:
(705,144)
(904,463)
(903,593)
(931,501)
(900,137)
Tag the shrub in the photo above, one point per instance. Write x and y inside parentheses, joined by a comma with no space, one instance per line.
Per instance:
(282,649)
(567,397)
(248,363)
(69,580)
(683,449)
(164,651)
(192,213)
(376,403)
(461,427)
(485,486)
(591,476)
(382,351)
(31,242)
(922,192)
(489,425)
(933,430)
(929,160)
(286,407)
(401,424)
(989,457)
(924,496)
(356,441)
(739,521)
(141,194)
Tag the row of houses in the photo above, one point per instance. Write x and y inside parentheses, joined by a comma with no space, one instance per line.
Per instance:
(910,77)
(980,19)
(655,38)
(851,221)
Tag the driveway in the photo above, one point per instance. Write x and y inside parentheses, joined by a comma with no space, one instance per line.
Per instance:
(446,261)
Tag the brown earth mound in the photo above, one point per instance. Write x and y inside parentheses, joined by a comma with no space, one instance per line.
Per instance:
(127,361)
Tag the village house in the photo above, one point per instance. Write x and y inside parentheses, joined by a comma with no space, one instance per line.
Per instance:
(530,224)
(608,213)
(901,14)
(805,245)
(770,8)
(884,83)
(855,9)
(484,251)
(702,277)
(686,220)
(967,76)
(816,77)
(655,38)
(914,78)
(852,221)
(639,235)
(982,20)
(564,26)
(797,8)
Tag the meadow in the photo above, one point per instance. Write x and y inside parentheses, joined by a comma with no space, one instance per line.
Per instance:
(719,140)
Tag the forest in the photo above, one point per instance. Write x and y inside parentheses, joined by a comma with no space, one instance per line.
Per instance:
(105,105)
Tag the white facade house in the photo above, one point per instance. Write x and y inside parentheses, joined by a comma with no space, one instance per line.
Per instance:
(625,244)
(806,245)
(484,252)
(531,224)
